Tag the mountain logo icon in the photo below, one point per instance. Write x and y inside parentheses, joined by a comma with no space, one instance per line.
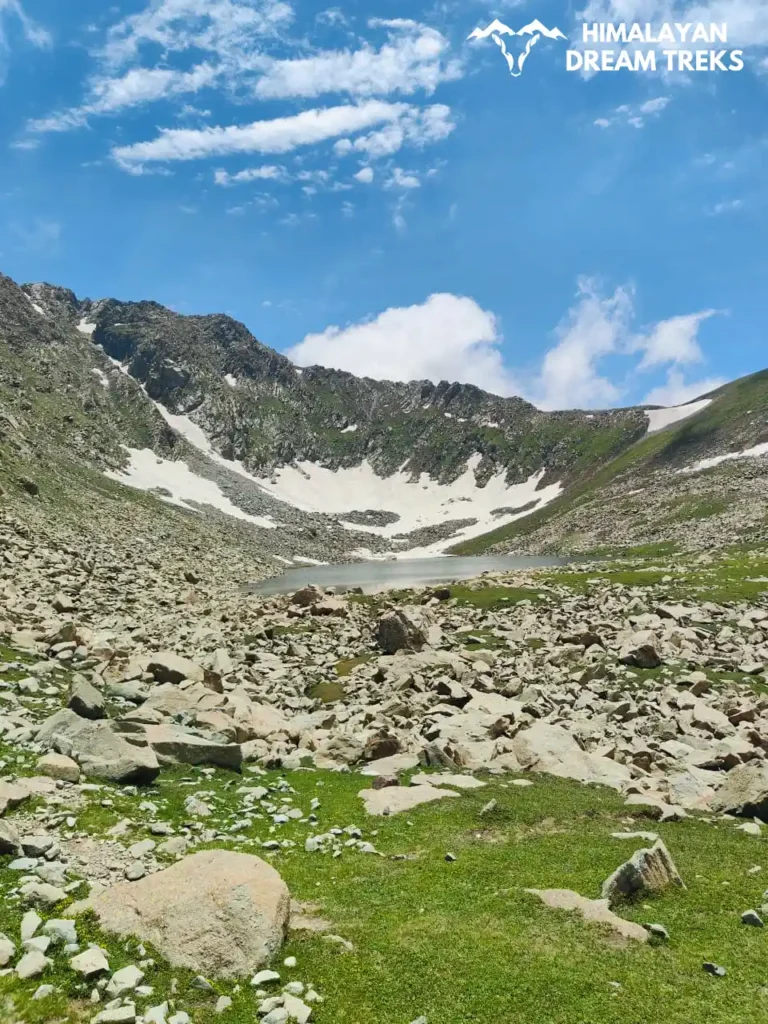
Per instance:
(533,31)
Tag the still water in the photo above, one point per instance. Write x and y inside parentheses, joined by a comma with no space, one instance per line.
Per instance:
(414,572)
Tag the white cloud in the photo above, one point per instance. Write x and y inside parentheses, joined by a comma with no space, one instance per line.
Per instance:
(266,172)
(634,116)
(36,35)
(365,175)
(673,341)
(676,392)
(447,337)
(413,59)
(451,337)
(595,327)
(728,206)
(416,127)
(229,29)
(402,179)
(280,135)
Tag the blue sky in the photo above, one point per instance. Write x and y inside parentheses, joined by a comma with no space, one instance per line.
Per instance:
(365,188)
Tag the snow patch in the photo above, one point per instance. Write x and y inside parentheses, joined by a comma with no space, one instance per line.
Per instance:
(748,453)
(103,378)
(285,561)
(232,381)
(419,503)
(147,471)
(34,305)
(308,561)
(86,327)
(350,429)
(658,419)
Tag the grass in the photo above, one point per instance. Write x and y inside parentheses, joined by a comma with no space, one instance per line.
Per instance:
(489,596)
(462,942)
(346,665)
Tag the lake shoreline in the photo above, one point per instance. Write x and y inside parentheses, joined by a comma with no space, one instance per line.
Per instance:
(379,575)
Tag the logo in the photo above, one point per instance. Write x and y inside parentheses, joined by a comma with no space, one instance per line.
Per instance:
(669,47)
(534,31)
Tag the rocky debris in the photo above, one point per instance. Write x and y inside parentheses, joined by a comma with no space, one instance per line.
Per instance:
(593,911)
(168,667)
(217,911)
(650,869)
(9,838)
(549,748)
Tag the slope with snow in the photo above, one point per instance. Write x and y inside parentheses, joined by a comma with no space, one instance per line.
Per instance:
(658,419)
(716,460)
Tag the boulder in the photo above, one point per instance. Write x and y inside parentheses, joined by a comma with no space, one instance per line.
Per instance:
(644,656)
(9,838)
(86,701)
(58,766)
(11,795)
(548,748)
(174,745)
(648,870)
(744,792)
(216,912)
(307,596)
(168,667)
(98,749)
(398,631)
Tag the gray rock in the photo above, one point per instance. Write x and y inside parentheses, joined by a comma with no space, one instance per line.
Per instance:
(90,962)
(744,792)
(58,766)
(98,749)
(168,667)
(9,838)
(396,631)
(31,964)
(650,869)
(752,917)
(7,950)
(86,701)
(216,912)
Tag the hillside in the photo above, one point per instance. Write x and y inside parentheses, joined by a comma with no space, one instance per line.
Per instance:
(130,419)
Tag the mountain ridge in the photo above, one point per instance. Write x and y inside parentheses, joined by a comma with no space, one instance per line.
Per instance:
(134,390)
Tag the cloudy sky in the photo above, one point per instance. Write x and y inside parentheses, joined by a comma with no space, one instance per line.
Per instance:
(366,188)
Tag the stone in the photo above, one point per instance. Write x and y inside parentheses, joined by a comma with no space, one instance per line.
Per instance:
(223,1003)
(387,766)
(650,869)
(218,912)
(58,766)
(98,749)
(11,795)
(9,838)
(714,969)
(85,700)
(644,656)
(658,931)
(551,749)
(396,799)
(168,667)
(173,745)
(43,991)
(61,931)
(125,980)
(396,631)
(744,792)
(265,978)
(306,596)
(447,779)
(117,1015)
(31,964)
(752,917)
(297,1008)
(90,962)
(7,950)
(29,924)
(593,911)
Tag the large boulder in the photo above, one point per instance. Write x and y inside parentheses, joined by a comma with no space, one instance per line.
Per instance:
(398,631)
(216,912)
(648,870)
(174,745)
(549,748)
(98,749)
(744,792)
(168,667)
(86,701)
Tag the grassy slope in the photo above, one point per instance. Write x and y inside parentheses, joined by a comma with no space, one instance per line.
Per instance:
(735,413)
(462,941)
